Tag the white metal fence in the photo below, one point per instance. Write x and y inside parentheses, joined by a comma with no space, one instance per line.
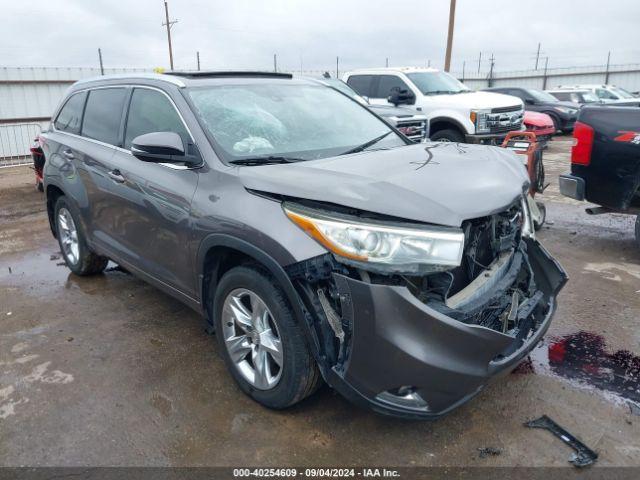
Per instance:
(625,76)
(15,143)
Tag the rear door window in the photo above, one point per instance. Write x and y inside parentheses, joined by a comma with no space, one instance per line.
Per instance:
(362,84)
(103,115)
(151,111)
(70,116)
(389,83)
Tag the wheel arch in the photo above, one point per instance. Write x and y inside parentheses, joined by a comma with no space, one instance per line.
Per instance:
(53,192)
(218,253)
(437,124)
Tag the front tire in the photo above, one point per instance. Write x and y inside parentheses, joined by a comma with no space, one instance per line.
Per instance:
(261,344)
(73,245)
(447,135)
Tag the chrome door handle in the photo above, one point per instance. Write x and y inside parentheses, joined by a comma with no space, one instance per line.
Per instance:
(116,176)
(68,153)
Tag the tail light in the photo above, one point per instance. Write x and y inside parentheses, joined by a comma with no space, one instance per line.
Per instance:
(582,144)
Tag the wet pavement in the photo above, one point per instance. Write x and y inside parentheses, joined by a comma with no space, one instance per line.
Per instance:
(109,371)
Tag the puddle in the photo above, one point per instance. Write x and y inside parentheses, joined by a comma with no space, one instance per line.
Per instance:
(45,273)
(583,358)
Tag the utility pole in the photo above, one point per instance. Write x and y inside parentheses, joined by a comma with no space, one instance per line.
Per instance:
(429,63)
(275,62)
(198,60)
(386,63)
(538,56)
(100,58)
(479,61)
(337,67)
(606,75)
(464,63)
(452,17)
(169,24)
(544,78)
(491,71)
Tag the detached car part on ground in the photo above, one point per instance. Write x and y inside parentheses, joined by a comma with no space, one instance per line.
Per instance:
(316,241)
(605,161)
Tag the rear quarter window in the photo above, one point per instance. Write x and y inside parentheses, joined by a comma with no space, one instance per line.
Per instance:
(70,115)
(103,115)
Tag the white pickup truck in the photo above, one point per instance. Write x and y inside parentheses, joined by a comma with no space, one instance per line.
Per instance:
(455,113)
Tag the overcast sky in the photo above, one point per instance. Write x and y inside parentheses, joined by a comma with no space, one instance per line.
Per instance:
(244,34)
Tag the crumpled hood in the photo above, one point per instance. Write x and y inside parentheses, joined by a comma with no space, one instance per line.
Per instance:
(439,183)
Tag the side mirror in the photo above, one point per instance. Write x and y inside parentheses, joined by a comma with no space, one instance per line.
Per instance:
(159,147)
(401,97)
(529,101)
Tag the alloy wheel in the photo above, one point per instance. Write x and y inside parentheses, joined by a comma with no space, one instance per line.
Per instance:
(68,236)
(252,339)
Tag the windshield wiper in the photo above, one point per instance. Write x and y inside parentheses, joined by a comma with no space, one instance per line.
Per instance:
(266,160)
(366,145)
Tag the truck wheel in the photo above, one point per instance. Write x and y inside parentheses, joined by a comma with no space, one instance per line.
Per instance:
(73,245)
(448,135)
(638,230)
(261,343)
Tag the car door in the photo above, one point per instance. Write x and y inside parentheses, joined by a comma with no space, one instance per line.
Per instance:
(101,131)
(153,227)
(386,84)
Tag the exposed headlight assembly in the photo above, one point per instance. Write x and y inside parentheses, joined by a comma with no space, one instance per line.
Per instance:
(381,246)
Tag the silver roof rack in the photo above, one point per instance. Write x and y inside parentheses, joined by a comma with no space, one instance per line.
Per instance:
(144,76)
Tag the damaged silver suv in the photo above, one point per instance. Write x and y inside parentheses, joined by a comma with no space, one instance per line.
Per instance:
(317,241)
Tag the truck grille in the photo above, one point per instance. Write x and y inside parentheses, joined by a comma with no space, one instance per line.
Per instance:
(414,129)
(505,119)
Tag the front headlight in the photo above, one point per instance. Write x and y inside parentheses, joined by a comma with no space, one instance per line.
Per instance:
(566,110)
(381,246)
(479,119)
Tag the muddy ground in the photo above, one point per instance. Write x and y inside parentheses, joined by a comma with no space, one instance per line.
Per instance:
(110,371)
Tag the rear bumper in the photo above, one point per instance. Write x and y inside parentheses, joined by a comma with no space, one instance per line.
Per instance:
(398,341)
(572,186)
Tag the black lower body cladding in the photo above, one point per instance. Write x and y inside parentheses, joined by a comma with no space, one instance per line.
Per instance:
(403,357)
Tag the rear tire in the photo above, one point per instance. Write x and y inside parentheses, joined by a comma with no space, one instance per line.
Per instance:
(73,245)
(447,135)
(249,336)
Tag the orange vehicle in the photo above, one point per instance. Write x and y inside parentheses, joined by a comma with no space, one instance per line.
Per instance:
(526,144)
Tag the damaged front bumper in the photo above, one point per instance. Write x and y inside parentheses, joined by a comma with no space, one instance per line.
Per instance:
(405,358)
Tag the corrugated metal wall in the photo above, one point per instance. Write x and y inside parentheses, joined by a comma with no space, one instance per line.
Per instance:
(625,76)
(28,97)
(32,93)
